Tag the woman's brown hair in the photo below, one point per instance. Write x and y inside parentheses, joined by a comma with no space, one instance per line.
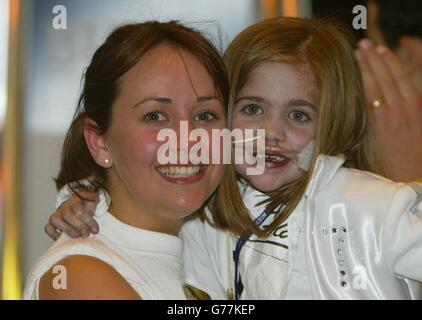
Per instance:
(123,48)
(323,51)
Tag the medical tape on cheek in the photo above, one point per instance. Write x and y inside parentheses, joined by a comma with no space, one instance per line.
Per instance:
(246,140)
(305,156)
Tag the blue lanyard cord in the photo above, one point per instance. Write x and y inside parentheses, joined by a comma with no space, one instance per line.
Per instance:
(238,287)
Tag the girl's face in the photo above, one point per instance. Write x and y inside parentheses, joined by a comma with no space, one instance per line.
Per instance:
(277,98)
(166,86)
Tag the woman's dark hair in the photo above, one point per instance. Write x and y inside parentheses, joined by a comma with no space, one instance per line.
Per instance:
(123,48)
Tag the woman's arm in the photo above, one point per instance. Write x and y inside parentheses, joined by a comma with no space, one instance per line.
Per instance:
(85,278)
(397,116)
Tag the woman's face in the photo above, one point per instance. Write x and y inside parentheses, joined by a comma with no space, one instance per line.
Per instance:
(166,86)
(278,99)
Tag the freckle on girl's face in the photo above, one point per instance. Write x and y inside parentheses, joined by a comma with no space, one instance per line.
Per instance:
(277,98)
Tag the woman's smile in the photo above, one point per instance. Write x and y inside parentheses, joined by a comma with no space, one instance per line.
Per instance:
(182,174)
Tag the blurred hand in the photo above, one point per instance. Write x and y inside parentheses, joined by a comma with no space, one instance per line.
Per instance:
(74,217)
(398,118)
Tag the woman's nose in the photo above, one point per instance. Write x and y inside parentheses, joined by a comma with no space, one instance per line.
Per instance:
(183,128)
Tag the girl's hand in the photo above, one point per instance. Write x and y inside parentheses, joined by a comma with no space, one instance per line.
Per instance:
(74,217)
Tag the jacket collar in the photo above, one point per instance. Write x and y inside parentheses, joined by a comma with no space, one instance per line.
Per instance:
(324,170)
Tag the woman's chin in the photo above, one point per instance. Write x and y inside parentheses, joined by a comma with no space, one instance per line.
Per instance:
(186,205)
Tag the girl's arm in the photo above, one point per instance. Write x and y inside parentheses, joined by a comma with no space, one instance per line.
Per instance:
(73,216)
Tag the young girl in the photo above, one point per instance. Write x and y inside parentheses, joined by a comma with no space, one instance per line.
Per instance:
(323,228)
(144,77)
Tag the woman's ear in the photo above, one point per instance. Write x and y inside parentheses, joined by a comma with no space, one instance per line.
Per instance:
(96,143)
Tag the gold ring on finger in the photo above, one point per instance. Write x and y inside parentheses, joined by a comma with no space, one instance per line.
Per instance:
(376,103)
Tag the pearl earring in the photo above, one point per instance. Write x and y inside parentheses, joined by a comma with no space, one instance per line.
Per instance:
(107,161)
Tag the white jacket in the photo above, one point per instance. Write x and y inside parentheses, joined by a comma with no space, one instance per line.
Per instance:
(362,233)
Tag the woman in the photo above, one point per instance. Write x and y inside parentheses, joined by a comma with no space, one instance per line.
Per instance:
(144,77)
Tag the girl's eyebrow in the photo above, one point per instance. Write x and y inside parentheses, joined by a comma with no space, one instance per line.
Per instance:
(292,102)
(252,98)
(300,103)
(207,98)
(169,101)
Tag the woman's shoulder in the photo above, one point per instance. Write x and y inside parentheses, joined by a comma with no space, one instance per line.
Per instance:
(64,250)
(84,277)
(94,246)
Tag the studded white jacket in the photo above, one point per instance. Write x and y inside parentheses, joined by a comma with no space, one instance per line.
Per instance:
(362,240)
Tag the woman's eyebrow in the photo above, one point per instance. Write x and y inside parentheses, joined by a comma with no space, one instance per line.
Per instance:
(156,99)
(169,101)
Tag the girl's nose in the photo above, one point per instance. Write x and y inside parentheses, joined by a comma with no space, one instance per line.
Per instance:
(275,131)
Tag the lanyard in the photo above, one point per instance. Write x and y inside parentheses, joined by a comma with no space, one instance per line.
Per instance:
(238,286)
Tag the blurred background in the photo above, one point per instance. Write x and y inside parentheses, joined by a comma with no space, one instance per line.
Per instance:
(41,64)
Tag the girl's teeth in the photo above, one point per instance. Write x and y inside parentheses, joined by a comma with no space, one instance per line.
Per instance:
(271,158)
(276,158)
(179,172)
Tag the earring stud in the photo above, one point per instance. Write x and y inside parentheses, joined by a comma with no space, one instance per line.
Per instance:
(107,161)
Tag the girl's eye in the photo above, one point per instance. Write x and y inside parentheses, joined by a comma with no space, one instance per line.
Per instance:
(252,109)
(299,116)
(154,116)
(205,116)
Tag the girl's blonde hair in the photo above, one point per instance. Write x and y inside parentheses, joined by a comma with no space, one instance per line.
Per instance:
(323,49)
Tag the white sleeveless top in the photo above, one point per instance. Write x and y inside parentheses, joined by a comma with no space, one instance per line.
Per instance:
(151,262)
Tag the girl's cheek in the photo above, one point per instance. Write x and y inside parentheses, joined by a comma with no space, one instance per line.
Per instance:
(299,137)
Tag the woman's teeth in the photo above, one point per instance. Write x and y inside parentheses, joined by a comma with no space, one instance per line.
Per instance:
(179,172)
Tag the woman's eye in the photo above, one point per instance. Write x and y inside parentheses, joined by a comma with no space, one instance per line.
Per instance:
(155,116)
(252,109)
(299,116)
(205,116)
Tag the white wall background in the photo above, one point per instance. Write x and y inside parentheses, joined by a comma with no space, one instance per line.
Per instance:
(61,55)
